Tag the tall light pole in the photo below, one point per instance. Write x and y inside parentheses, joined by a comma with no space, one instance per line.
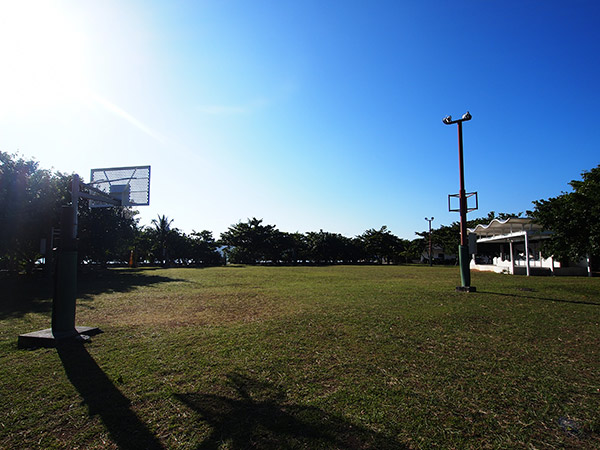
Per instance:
(430,220)
(463,249)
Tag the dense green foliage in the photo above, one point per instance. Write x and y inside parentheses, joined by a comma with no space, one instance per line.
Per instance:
(337,357)
(106,234)
(30,202)
(252,242)
(382,246)
(574,218)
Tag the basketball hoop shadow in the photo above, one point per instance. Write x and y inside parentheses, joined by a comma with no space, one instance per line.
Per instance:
(262,417)
(104,399)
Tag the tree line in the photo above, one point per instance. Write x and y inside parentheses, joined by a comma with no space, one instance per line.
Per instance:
(30,203)
(253,242)
(31,199)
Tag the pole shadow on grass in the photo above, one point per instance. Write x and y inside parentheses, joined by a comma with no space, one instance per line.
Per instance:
(105,400)
(259,416)
(545,299)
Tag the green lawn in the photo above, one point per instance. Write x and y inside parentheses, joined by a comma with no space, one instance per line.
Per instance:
(306,357)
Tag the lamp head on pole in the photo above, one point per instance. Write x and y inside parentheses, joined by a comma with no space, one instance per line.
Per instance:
(448,119)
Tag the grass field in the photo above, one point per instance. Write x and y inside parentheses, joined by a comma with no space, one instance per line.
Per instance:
(386,357)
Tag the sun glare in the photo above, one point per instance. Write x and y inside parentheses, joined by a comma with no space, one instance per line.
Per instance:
(42,56)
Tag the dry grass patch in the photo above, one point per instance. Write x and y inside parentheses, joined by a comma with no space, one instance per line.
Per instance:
(197,308)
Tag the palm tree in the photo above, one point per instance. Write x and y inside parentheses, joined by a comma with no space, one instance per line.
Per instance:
(162,226)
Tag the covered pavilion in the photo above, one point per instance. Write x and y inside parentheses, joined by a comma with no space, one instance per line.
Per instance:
(514,246)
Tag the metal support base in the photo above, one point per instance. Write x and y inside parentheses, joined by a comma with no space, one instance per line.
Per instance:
(466,289)
(46,338)
(464,260)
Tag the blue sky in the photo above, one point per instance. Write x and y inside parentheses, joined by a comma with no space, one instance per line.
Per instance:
(310,115)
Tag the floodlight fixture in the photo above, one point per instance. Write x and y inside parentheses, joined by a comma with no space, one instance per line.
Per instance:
(448,119)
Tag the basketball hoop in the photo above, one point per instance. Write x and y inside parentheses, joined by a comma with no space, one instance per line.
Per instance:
(118,186)
(121,186)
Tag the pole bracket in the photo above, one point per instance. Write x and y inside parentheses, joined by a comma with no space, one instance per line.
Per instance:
(467,195)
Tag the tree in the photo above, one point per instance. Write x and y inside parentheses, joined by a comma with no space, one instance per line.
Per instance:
(446,237)
(145,245)
(250,242)
(30,200)
(106,234)
(162,233)
(198,249)
(574,219)
(293,247)
(30,207)
(203,249)
(327,248)
(381,245)
(414,249)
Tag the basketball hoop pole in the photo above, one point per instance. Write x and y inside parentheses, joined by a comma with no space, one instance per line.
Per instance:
(65,281)
(463,248)
(65,292)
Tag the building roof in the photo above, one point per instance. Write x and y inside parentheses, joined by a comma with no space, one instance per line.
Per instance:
(505,226)
(498,230)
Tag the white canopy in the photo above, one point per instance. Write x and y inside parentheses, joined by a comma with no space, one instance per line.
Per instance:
(508,230)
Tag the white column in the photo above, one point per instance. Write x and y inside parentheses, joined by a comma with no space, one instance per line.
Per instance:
(527,253)
(512,259)
(589,266)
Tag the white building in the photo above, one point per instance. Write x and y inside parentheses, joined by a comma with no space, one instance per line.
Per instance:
(514,246)
(437,255)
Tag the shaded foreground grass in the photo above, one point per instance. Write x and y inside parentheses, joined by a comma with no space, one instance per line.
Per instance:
(307,357)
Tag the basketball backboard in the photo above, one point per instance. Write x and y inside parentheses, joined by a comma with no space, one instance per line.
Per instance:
(130,186)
